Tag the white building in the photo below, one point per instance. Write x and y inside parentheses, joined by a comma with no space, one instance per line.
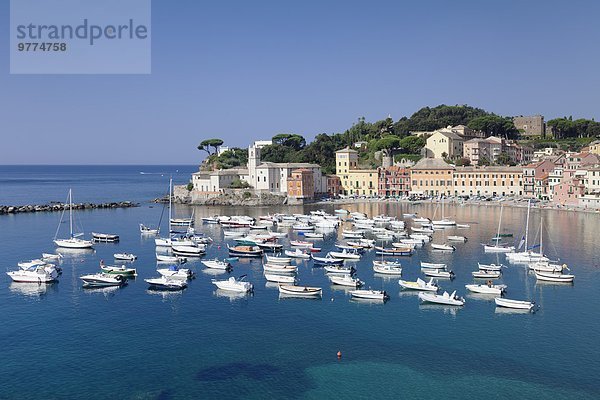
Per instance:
(216,181)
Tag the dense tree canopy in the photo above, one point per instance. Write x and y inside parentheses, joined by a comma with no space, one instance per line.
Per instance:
(567,128)
(494,125)
(208,143)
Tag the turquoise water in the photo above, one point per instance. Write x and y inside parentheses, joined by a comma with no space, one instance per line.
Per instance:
(61,341)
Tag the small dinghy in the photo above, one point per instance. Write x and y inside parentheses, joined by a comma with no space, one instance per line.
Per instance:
(163,258)
(300,291)
(125,256)
(280,268)
(313,235)
(517,304)
(345,254)
(338,269)
(245,251)
(144,230)
(328,260)
(51,256)
(301,243)
(551,277)
(394,251)
(102,280)
(454,238)
(174,272)
(217,264)
(490,267)
(278,259)
(420,285)
(442,247)
(486,274)
(280,278)
(346,280)
(105,237)
(429,265)
(164,283)
(120,270)
(387,269)
(497,290)
(438,273)
(445,298)
(370,294)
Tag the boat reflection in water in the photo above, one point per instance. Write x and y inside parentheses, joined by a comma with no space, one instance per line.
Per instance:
(232,296)
(32,289)
(107,291)
(447,309)
(504,310)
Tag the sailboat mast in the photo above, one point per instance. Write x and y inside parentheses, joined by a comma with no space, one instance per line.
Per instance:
(541,234)
(499,223)
(70,213)
(527,223)
(170,202)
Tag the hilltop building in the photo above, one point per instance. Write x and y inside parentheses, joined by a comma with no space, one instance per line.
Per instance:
(533,125)
(354,181)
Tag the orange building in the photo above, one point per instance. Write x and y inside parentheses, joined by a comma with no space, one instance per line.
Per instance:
(394,181)
(301,184)
(334,185)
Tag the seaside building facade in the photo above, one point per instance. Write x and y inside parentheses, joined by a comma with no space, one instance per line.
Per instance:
(488,181)
(213,182)
(301,184)
(334,185)
(393,181)
(477,150)
(534,173)
(432,176)
(354,181)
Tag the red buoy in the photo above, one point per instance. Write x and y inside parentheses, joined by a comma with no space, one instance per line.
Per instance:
(339,354)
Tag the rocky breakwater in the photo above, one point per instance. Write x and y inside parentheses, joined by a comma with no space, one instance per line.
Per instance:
(61,206)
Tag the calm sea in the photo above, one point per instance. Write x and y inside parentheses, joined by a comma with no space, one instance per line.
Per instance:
(62,341)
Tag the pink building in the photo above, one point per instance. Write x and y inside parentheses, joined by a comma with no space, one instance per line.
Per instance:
(568,192)
(534,176)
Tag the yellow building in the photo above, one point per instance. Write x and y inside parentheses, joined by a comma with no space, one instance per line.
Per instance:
(432,176)
(489,181)
(354,181)
(594,147)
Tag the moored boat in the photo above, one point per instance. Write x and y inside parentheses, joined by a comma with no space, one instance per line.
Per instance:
(444,298)
(301,291)
(517,304)
(125,256)
(105,237)
(420,285)
(369,294)
(234,285)
(164,283)
(217,264)
(346,280)
(280,278)
(118,270)
(245,251)
(280,268)
(103,280)
(553,277)
(497,290)
(327,260)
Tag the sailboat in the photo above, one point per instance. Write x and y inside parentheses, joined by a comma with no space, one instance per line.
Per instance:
(444,221)
(73,242)
(498,247)
(167,242)
(526,256)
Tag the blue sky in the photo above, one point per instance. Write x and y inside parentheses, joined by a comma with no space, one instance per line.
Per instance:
(243,70)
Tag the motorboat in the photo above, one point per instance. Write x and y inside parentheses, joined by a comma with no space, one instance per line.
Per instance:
(280,278)
(345,254)
(432,265)
(125,256)
(346,280)
(38,274)
(234,285)
(278,259)
(420,285)
(188,251)
(497,290)
(552,277)
(369,294)
(327,260)
(301,243)
(313,235)
(145,230)
(409,242)
(105,237)
(548,267)
(174,272)
(420,236)
(280,269)
(297,254)
(118,270)
(438,273)
(387,269)
(234,233)
(51,256)
(303,227)
(490,267)
(170,259)
(486,274)
(418,230)
(445,298)
(31,263)
(301,291)
(245,251)
(270,246)
(517,304)
(421,220)
(216,264)
(338,269)
(164,283)
(442,247)
(341,211)
(210,220)
(386,263)
(456,238)
(103,280)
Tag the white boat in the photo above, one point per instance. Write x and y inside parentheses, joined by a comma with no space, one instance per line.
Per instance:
(517,304)
(280,269)
(216,264)
(432,265)
(301,243)
(443,247)
(125,256)
(409,242)
(313,235)
(444,221)
(73,242)
(301,291)
(338,269)
(527,256)
(188,251)
(164,283)
(38,274)
(145,230)
(102,280)
(341,211)
(421,236)
(346,280)
(438,273)
(234,233)
(486,274)
(445,298)
(490,267)
(234,285)
(170,259)
(345,254)
(278,259)
(327,260)
(51,256)
(420,285)
(174,272)
(386,263)
(421,220)
(497,290)
(455,238)
(105,237)
(31,263)
(551,277)
(210,220)
(297,254)
(498,248)
(387,269)
(280,278)
(463,226)
(409,215)
(369,294)
(548,267)
(303,227)
(353,235)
